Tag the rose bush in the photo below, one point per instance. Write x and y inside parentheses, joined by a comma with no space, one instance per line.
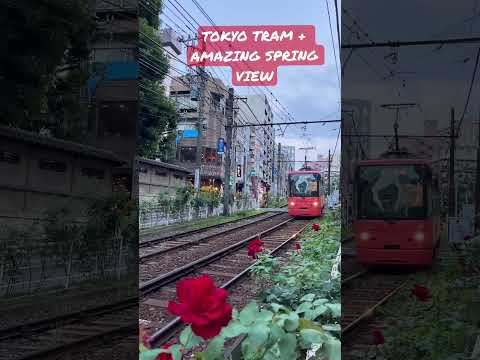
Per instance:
(420,292)
(202,305)
(255,247)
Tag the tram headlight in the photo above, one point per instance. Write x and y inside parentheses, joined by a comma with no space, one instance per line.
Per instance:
(419,236)
(315,203)
(364,236)
(292,203)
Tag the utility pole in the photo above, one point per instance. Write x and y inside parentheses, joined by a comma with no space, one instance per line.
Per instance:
(278,168)
(306,151)
(451,176)
(228,152)
(329,169)
(477,184)
(199,152)
(451,168)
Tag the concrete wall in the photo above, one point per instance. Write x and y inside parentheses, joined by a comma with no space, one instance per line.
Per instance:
(154,180)
(42,180)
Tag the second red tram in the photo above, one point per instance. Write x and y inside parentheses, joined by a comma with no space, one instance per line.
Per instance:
(397,212)
(306,196)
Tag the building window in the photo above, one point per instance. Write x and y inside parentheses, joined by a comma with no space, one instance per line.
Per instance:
(160,173)
(142,169)
(9,157)
(93,173)
(117,118)
(179,177)
(52,165)
(188,154)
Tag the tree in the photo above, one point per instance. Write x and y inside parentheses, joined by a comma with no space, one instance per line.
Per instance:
(45,38)
(157,116)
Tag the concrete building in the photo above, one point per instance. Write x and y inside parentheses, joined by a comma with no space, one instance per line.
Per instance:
(184,93)
(40,174)
(112,92)
(256,109)
(356,119)
(173,48)
(156,177)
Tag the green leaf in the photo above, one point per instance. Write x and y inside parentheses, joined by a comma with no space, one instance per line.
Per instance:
(308,297)
(234,329)
(188,339)
(258,334)
(304,307)
(291,322)
(151,354)
(336,309)
(176,351)
(333,327)
(264,316)
(310,336)
(277,307)
(333,349)
(215,349)
(248,314)
(320,302)
(276,332)
(287,346)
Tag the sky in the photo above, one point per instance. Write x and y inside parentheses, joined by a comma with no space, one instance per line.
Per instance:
(306,92)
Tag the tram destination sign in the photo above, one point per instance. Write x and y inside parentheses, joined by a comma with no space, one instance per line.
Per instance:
(254,53)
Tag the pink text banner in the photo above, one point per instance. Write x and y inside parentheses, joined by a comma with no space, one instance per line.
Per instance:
(255,52)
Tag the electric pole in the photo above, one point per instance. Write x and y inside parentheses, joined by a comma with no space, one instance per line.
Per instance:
(397,108)
(477,185)
(451,168)
(329,169)
(278,168)
(228,152)
(199,152)
(306,151)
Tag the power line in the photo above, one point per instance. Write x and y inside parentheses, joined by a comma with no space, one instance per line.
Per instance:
(290,123)
(391,44)
(333,42)
(469,90)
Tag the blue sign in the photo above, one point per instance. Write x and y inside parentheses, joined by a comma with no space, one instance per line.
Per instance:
(221,146)
(190,133)
(122,71)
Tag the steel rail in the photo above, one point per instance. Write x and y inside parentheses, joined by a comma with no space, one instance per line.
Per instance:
(168,330)
(204,238)
(146,243)
(65,319)
(354,276)
(165,279)
(367,313)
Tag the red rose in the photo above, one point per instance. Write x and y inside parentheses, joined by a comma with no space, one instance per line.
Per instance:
(166,356)
(421,292)
(467,237)
(298,246)
(315,227)
(378,338)
(202,305)
(255,247)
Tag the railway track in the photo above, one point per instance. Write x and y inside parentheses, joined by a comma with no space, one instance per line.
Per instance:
(362,293)
(203,231)
(56,335)
(226,266)
(156,261)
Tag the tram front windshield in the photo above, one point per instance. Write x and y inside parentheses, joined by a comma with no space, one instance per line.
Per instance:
(304,185)
(391,192)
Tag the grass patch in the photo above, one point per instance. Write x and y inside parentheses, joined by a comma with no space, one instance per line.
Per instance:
(200,223)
